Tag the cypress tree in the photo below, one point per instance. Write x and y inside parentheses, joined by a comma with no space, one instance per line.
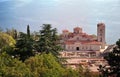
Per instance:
(15,34)
(28,31)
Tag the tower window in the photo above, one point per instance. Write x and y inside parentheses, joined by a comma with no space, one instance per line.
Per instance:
(100,30)
(77,48)
(101,39)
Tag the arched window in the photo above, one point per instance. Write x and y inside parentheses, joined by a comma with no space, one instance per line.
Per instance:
(77,48)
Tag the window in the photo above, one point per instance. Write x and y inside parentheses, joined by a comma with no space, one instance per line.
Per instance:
(77,48)
(100,30)
(77,38)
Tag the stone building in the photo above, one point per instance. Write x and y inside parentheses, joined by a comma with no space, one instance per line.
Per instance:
(82,48)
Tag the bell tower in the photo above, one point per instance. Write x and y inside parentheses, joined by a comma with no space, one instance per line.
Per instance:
(101,34)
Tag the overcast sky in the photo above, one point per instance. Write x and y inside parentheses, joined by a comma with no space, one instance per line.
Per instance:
(62,14)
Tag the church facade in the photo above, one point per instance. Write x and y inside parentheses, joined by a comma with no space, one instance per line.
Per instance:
(82,48)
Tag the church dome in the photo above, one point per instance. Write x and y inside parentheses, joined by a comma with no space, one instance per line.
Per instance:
(77,30)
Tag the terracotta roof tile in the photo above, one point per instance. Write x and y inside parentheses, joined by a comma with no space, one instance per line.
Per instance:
(82,42)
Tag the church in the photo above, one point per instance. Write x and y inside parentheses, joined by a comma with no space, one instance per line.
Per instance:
(82,48)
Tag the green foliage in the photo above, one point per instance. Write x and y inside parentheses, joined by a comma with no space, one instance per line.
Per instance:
(10,67)
(71,73)
(23,47)
(113,59)
(103,71)
(48,40)
(5,40)
(40,65)
(44,65)
(8,50)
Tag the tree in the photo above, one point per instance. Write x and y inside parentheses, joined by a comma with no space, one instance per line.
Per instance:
(113,59)
(28,31)
(11,67)
(103,71)
(71,73)
(48,41)
(45,65)
(6,40)
(15,34)
(24,46)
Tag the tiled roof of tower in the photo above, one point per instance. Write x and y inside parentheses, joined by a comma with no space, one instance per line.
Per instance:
(101,24)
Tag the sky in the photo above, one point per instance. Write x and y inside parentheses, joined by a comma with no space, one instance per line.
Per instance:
(62,14)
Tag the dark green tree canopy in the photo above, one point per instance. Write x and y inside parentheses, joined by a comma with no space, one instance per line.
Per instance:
(113,59)
(24,46)
(48,40)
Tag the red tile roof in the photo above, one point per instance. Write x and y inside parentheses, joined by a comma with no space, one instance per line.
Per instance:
(82,42)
